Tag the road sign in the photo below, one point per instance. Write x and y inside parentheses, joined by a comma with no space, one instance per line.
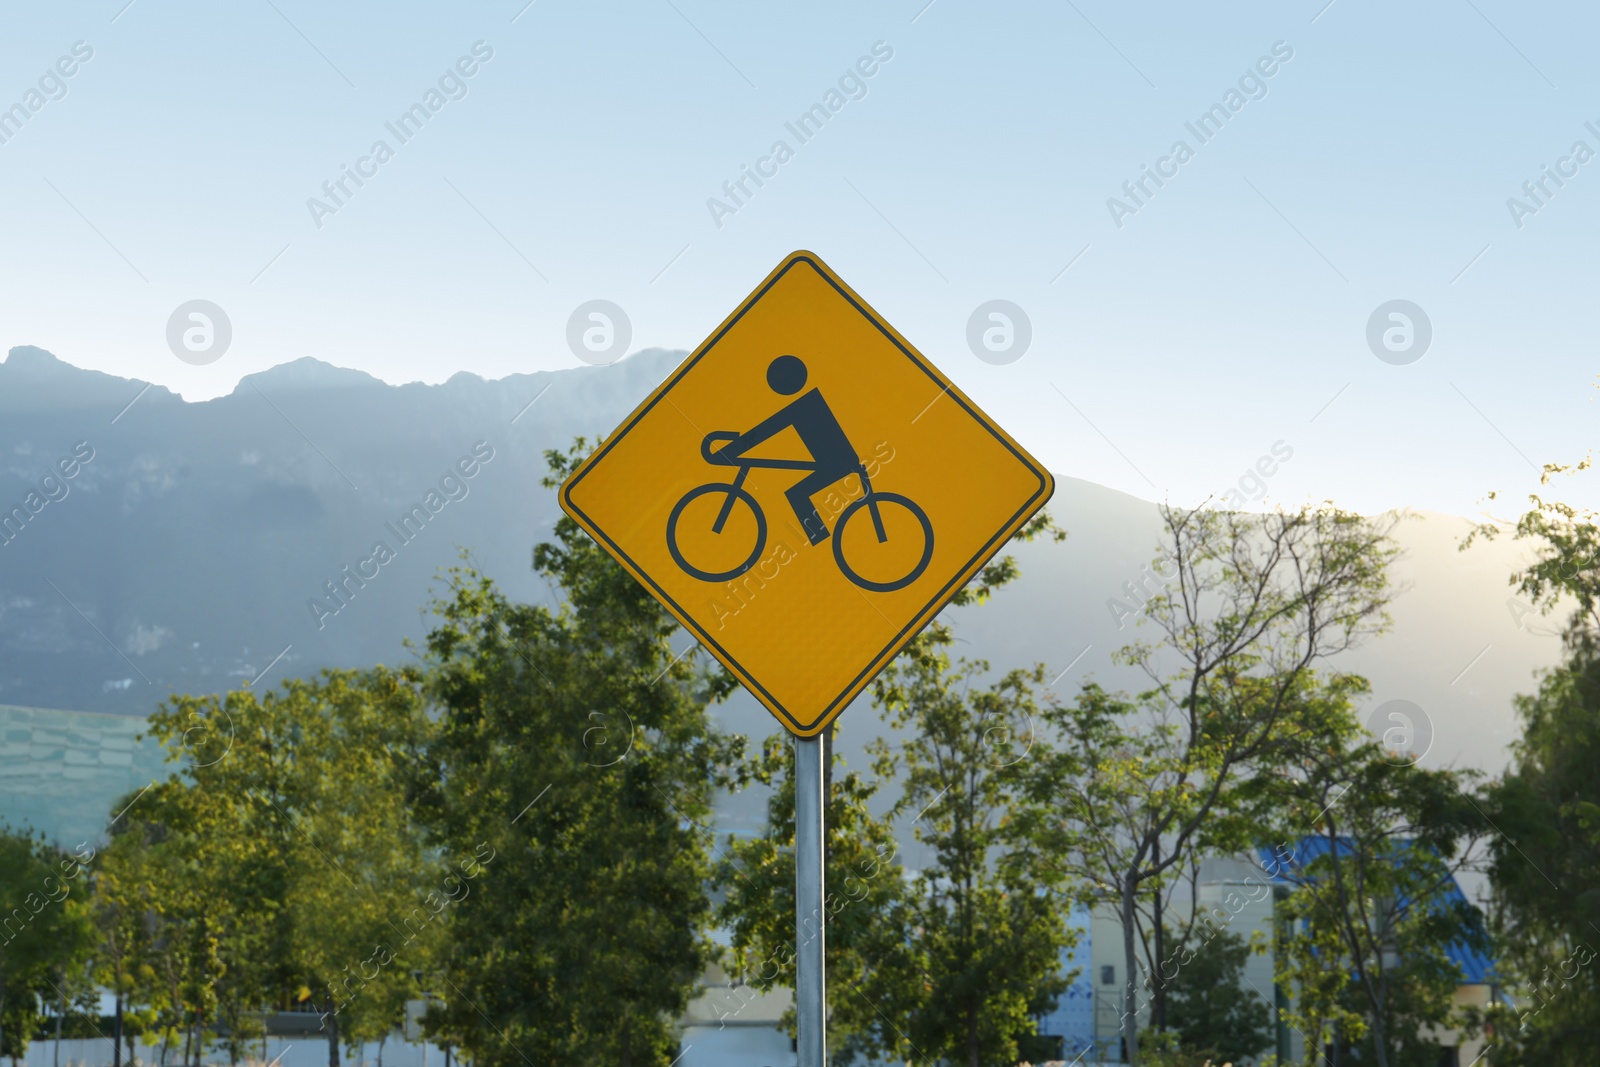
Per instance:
(805,492)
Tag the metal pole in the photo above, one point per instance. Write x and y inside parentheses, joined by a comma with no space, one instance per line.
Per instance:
(810,979)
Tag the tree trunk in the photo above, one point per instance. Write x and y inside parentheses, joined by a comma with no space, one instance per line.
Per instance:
(1130,985)
(116,1035)
(1380,1034)
(627,1046)
(333,1031)
(1158,981)
(200,1011)
(972,1039)
(56,1056)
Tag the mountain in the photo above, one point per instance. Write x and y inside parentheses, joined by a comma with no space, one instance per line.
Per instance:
(192,543)
(185,550)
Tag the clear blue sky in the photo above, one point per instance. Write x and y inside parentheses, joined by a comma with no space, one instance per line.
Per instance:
(1218,319)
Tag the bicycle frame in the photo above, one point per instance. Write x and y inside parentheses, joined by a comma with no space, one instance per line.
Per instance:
(746,464)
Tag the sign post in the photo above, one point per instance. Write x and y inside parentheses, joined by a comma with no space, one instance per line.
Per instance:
(811,976)
(804,494)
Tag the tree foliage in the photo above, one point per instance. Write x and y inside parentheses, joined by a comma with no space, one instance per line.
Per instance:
(886,936)
(863,881)
(977,938)
(1545,865)
(574,748)
(291,870)
(519,826)
(1209,1007)
(1546,872)
(1251,607)
(1374,918)
(44,931)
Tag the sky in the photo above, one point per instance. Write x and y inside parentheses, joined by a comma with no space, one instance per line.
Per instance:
(1179,332)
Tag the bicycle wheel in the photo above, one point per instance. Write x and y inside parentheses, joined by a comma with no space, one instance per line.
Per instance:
(884,499)
(739,494)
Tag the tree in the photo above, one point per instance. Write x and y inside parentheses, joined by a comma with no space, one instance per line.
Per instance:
(182,934)
(158,912)
(1565,574)
(1373,912)
(1545,858)
(1209,1009)
(72,993)
(574,750)
(863,879)
(311,878)
(124,898)
(867,906)
(43,931)
(977,938)
(1253,605)
(1545,870)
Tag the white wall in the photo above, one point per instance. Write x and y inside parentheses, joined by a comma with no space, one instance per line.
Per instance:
(291,1052)
(734,1046)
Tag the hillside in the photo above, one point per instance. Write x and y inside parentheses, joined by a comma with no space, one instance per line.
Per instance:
(188,552)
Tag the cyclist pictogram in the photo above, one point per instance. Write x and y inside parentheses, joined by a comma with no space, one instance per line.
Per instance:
(832,459)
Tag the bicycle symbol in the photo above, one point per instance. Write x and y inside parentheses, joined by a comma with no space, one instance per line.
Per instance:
(832,459)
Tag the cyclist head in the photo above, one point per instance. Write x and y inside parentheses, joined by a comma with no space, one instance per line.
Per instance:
(786,375)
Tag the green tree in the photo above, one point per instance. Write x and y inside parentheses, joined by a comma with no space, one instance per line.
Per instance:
(863,880)
(157,922)
(175,925)
(1565,573)
(575,750)
(1545,870)
(1247,607)
(866,899)
(44,931)
(1210,1009)
(976,940)
(125,892)
(315,884)
(213,902)
(1545,858)
(1373,912)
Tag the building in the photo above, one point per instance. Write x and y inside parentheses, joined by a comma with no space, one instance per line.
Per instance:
(1476,988)
(1238,895)
(730,1024)
(61,772)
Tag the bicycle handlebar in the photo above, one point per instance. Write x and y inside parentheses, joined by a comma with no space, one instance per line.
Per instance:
(712,438)
(724,437)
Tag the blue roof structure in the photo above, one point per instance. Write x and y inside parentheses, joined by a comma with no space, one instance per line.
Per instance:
(1476,967)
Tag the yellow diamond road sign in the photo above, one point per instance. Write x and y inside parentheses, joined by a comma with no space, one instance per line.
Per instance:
(805,493)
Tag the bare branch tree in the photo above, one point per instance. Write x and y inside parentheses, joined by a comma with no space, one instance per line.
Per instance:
(1255,606)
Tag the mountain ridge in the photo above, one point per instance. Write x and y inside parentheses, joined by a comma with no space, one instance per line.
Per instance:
(186,555)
